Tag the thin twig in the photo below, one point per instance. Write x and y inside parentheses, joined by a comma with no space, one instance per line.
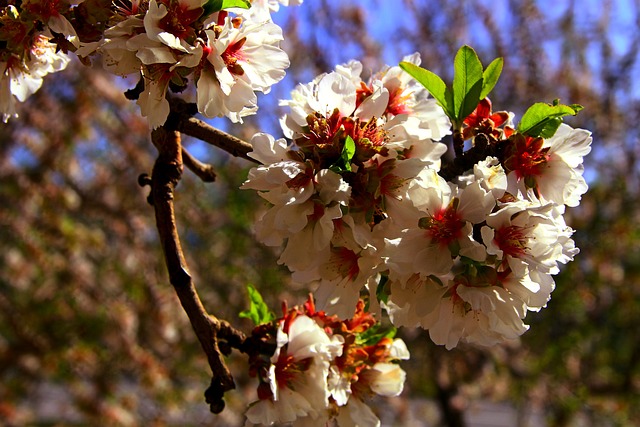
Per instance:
(203,171)
(182,120)
(167,172)
(229,143)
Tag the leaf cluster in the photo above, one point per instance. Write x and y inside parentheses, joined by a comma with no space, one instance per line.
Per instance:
(472,83)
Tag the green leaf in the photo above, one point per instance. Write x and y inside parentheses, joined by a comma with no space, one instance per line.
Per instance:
(244,4)
(467,82)
(258,311)
(217,5)
(490,77)
(374,334)
(344,162)
(542,120)
(432,82)
(382,290)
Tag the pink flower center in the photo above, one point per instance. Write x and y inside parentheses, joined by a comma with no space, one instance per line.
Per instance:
(345,262)
(179,19)
(232,54)
(512,240)
(287,369)
(318,212)
(397,102)
(322,141)
(445,226)
(301,180)
(527,157)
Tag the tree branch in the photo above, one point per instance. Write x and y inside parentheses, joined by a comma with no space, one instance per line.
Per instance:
(167,172)
(182,120)
(203,171)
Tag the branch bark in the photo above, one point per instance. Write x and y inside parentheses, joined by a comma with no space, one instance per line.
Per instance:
(166,174)
(203,171)
(181,119)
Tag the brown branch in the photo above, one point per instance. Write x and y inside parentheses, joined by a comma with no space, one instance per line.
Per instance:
(229,143)
(202,170)
(181,120)
(167,172)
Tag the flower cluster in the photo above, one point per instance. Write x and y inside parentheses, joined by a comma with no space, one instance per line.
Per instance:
(229,55)
(27,53)
(359,201)
(324,368)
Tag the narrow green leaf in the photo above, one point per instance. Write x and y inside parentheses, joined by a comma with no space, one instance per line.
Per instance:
(374,334)
(217,5)
(467,82)
(431,81)
(471,100)
(490,77)
(448,96)
(548,128)
(344,162)
(258,311)
(244,4)
(348,151)
(542,120)
(382,290)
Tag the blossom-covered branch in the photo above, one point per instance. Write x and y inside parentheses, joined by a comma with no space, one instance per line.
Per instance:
(358,194)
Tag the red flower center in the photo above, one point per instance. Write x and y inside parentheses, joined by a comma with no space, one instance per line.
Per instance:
(527,157)
(286,369)
(512,240)
(179,19)
(232,54)
(446,225)
(398,102)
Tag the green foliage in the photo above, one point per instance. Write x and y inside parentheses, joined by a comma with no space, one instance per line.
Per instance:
(258,312)
(471,83)
(542,120)
(374,334)
(467,82)
(344,162)
(382,290)
(432,82)
(213,6)
(490,76)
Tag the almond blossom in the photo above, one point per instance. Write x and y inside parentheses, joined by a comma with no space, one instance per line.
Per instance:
(325,368)
(552,168)
(298,373)
(21,75)
(228,58)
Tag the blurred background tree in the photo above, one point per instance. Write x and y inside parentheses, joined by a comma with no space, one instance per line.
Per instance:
(92,334)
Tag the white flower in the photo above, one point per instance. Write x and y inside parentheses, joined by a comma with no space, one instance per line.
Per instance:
(480,315)
(412,299)
(153,101)
(326,93)
(61,25)
(118,56)
(298,374)
(342,277)
(528,236)
(180,14)
(491,176)
(241,60)
(408,97)
(444,232)
(356,413)
(20,78)
(551,167)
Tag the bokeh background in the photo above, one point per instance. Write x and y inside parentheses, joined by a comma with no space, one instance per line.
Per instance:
(92,334)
